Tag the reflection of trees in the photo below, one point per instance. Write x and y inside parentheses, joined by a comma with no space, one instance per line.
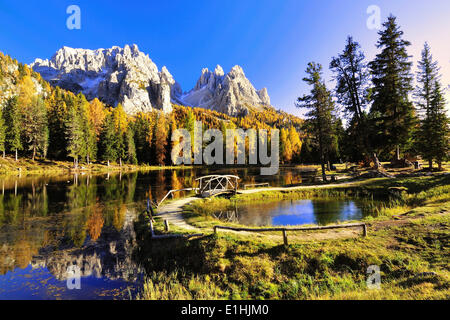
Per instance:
(95,222)
(119,217)
(110,256)
(326,212)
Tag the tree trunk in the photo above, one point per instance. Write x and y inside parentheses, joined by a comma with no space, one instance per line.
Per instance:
(16,154)
(397,153)
(120,161)
(4,154)
(376,162)
(34,153)
(108,163)
(430,165)
(87,159)
(440,165)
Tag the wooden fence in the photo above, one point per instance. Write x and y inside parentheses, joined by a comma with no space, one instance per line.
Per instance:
(264,184)
(285,230)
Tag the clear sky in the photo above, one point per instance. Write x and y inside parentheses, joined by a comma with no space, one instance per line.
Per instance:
(273,40)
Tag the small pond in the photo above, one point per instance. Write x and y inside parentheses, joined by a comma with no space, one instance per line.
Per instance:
(298,212)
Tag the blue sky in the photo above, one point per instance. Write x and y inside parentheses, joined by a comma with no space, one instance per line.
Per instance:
(272,40)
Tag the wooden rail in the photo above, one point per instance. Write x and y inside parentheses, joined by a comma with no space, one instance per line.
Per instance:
(171,192)
(266,184)
(170,236)
(217,184)
(285,230)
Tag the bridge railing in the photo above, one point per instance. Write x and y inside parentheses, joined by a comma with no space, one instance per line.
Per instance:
(263,184)
(171,192)
(217,183)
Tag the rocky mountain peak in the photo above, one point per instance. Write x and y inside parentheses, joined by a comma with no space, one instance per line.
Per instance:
(229,93)
(128,76)
(115,75)
(218,71)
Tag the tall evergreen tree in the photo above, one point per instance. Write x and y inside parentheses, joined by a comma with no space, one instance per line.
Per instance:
(57,116)
(35,128)
(143,137)
(427,75)
(13,125)
(320,114)
(108,140)
(391,111)
(352,78)
(434,131)
(75,134)
(130,146)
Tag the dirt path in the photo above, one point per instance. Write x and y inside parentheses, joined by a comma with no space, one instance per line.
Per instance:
(173,213)
(319,186)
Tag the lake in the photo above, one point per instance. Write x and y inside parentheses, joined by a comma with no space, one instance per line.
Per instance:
(50,223)
(298,212)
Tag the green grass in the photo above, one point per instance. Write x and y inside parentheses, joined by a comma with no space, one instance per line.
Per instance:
(412,253)
(234,267)
(420,191)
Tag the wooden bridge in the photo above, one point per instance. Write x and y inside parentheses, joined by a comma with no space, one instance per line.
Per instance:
(209,186)
(214,185)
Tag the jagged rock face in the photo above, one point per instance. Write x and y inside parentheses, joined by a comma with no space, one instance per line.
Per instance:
(115,75)
(110,257)
(128,76)
(232,93)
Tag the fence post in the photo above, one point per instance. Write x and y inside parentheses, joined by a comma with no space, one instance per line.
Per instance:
(151,229)
(285,239)
(364,230)
(215,229)
(166,225)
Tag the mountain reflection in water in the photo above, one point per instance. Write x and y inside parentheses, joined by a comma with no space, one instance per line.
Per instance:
(48,223)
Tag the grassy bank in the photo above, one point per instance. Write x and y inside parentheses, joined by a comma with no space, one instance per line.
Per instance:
(411,251)
(8,166)
(389,196)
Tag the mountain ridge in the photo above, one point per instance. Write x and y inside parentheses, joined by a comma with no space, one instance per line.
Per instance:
(129,77)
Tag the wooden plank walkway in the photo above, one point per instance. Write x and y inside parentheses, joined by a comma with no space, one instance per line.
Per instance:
(173,211)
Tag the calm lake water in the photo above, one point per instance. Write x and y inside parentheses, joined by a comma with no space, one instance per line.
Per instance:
(48,224)
(297,212)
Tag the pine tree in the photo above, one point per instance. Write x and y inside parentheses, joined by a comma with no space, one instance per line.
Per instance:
(57,116)
(130,146)
(108,139)
(320,115)
(352,77)
(434,132)
(426,93)
(35,128)
(13,125)
(143,137)
(392,112)
(75,134)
